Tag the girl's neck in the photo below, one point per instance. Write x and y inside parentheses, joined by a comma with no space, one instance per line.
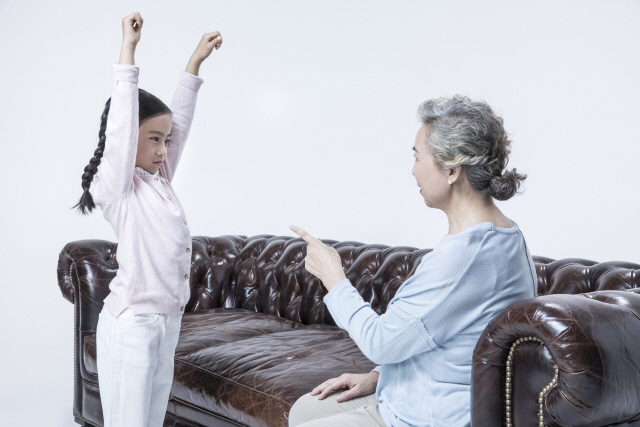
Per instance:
(141,171)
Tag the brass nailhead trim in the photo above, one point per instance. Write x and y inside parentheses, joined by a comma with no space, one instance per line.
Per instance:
(544,391)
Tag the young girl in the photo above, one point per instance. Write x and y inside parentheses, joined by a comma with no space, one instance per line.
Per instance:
(141,142)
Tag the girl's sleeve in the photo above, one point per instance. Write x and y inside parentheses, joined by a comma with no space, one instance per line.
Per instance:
(117,165)
(182,107)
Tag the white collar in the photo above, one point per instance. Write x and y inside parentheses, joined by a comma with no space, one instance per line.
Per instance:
(140,171)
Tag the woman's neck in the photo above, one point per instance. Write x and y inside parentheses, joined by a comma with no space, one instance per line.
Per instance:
(473,209)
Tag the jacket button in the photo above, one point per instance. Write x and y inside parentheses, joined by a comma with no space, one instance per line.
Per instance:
(185,221)
(182,308)
(168,197)
(186,276)
(188,250)
(156,178)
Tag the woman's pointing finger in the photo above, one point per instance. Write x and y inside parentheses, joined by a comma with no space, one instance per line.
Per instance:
(305,236)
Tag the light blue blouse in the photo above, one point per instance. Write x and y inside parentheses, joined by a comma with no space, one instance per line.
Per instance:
(425,340)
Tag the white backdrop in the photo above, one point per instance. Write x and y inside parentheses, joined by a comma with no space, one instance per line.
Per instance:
(307,116)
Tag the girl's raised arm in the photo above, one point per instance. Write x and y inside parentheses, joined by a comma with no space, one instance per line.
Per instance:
(182,107)
(183,103)
(121,136)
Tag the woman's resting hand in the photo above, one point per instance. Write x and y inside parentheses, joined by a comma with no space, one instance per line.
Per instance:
(358,385)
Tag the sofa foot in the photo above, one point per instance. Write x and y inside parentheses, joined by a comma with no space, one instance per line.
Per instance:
(82,422)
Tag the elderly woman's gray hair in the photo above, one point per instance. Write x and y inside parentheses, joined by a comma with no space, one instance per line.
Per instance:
(462,132)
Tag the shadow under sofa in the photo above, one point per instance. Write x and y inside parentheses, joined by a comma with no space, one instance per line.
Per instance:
(256,335)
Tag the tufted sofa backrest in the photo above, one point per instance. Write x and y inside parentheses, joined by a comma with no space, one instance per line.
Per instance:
(579,276)
(266,273)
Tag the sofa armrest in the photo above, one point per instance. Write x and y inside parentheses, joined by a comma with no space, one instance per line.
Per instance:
(569,360)
(85,269)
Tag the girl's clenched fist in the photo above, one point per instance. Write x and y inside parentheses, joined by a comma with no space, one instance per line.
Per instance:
(131,29)
(206,45)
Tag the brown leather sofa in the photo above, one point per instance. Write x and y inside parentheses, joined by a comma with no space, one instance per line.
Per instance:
(256,335)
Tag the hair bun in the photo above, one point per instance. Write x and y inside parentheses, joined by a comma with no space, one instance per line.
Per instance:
(505,186)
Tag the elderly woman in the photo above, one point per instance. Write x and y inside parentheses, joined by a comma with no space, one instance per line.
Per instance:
(425,340)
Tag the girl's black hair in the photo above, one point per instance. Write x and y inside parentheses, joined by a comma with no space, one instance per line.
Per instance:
(149,106)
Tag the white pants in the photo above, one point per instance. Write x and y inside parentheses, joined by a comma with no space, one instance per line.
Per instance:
(360,411)
(135,366)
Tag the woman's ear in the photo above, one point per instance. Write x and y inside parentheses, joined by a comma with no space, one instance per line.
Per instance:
(453,174)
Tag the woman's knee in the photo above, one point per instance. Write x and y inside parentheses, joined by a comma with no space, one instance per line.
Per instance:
(300,412)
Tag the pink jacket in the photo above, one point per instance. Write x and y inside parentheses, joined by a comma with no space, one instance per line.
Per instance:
(154,242)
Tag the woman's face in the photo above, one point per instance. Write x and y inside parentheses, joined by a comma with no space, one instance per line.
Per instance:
(432,180)
(153,139)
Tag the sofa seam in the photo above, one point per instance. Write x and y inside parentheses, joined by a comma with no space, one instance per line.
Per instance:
(271,333)
(232,382)
(191,405)
(182,421)
(175,417)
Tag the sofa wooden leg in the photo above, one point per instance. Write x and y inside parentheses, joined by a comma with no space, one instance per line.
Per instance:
(82,422)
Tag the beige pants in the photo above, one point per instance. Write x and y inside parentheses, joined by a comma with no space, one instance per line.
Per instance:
(361,411)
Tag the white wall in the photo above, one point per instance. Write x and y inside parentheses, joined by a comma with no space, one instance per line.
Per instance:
(307,116)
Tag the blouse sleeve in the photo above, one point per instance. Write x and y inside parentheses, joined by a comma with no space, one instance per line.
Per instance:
(388,338)
(182,107)
(457,289)
(117,165)
(417,318)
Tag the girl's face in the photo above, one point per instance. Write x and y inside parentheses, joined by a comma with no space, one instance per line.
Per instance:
(153,139)
(432,180)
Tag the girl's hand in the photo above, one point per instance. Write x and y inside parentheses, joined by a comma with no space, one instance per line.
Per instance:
(131,29)
(206,45)
(322,261)
(358,384)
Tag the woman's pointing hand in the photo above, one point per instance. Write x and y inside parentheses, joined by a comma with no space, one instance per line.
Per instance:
(322,261)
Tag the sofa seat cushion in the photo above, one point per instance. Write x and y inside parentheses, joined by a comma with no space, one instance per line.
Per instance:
(251,367)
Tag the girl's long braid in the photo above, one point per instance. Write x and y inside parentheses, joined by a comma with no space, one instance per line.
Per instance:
(149,106)
(86,204)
